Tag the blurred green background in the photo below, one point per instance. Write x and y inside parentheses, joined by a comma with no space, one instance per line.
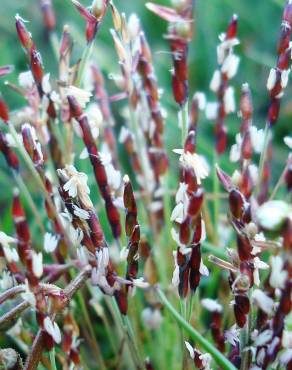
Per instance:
(259,23)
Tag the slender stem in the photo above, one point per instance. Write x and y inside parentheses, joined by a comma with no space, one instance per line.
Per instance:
(24,190)
(36,352)
(54,44)
(53,359)
(280,181)
(263,157)
(13,313)
(83,63)
(73,287)
(218,357)
(184,115)
(217,251)
(216,192)
(130,341)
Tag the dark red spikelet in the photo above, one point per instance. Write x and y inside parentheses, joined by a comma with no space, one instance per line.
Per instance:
(180,90)
(274,110)
(122,301)
(36,66)
(232,28)
(244,248)
(4,111)
(194,266)
(23,34)
(195,203)
(288,177)
(22,229)
(241,309)
(236,202)
(190,143)
(10,156)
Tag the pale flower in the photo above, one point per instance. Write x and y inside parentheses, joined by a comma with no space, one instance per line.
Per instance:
(75,184)
(272,79)
(201,100)
(178,213)
(102,256)
(229,100)
(264,302)
(203,269)
(6,240)
(151,318)
(287,339)
(82,255)
(211,110)
(216,81)
(190,349)
(272,214)
(25,80)
(37,264)
(114,177)
(258,265)
(263,338)
(53,329)
(46,86)
(81,213)
(211,305)
(140,283)
(133,26)
(80,95)
(232,335)
(278,275)
(257,139)
(10,254)
(285,78)
(28,295)
(181,194)
(288,141)
(50,242)
(194,161)
(124,253)
(7,280)
(230,65)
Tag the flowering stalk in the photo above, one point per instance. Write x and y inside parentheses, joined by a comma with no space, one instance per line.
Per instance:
(188,218)
(99,169)
(195,335)
(276,84)
(228,65)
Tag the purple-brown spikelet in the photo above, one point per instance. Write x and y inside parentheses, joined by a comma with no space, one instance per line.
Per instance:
(99,169)
(9,154)
(92,16)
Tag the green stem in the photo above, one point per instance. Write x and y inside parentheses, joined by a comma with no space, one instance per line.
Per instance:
(55,44)
(125,324)
(217,251)
(263,157)
(218,357)
(91,331)
(53,359)
(280,182)
(24,190)
(84,60)
(216,188)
